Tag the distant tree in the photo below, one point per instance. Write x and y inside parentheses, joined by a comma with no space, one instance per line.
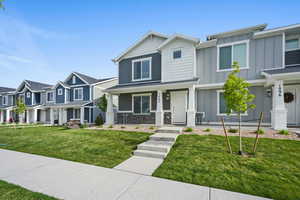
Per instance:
(237,96)
(20,107)
(1,4)
(102,104)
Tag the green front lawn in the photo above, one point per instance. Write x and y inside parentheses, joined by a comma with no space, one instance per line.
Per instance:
(273,173)
(96,147)
(14,192)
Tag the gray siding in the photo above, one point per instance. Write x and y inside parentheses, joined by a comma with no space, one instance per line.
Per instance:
(78,81)
(264,53)
(207,102)
(60,98)
(125,68)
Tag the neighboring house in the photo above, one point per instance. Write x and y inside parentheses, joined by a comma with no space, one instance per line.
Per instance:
(32,93)
(178,79)
(7,101)
(75,99)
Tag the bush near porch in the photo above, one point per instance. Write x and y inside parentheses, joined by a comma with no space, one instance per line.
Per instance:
(274,172)
(106,148)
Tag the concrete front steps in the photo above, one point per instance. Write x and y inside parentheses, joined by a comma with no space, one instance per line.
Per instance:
(159,144)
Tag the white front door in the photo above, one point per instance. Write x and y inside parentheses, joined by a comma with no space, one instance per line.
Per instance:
(291,104)
(179,107)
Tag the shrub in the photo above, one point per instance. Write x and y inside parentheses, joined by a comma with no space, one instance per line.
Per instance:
(233,130)
(137,127)
(123,127)
(188,129)
(207,130)
(99,120)
(260,132)
(283,132)
(151,127)
(111,126)
(83,125)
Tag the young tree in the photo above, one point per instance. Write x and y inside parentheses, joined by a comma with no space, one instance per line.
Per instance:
(1,4)
(237,97)
(20,107)
(102,104)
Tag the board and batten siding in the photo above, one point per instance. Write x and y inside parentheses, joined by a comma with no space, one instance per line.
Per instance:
(265,53)
(178,69)
(207,102)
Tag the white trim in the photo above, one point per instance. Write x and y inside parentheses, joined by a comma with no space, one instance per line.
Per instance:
(60,91)
(140,95)
(218,107)
(275,31)
(180,36)
(141,60)
(71,75)
(65,95)
(219,85)
(81,85)
(247,42)
(117,59)
(283,49)
(52,96)
(296,37)
(207,44)
(60,84)
(176,49)
(79,89)
(100,82)
(91,90)
(6,100)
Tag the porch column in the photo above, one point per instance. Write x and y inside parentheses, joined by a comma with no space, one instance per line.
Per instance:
(60,116)
(159,114)
(1,116)
(64,112)
(82,115)
(35,115)
(191,108)
(51,116)
(27,116)
(109,111)
(278,113)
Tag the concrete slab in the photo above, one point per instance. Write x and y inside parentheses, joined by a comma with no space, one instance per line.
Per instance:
(140,165)
(150,188)
(217,194)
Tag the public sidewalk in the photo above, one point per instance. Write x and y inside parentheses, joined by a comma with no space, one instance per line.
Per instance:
(70,180)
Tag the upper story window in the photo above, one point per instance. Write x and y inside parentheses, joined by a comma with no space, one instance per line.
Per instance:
(235,52)
(141,104)
(74,79)
(177,54)
(60,91)
(292,44)
(78,93)
(4,100)
(50,96)
(141,69)
(28,95)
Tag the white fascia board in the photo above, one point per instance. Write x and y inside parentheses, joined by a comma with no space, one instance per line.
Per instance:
(275,31)
(180,36)
(118,58)
(60,83)
(101,82)
(74,73)
(220,85)
(206,44)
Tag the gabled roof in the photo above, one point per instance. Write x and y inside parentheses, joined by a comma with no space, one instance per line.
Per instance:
(250,29)
(138,42)
(6,89)
(34,85)
(175,36)
(85,78)
(277,30)
(62,84)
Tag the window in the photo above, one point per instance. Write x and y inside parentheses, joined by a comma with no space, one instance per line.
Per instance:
(50,96)
(74,79)
(141,69)
(232,53)
(78,94)
(176,54)
(76,114)
(4,100)
(222,104)
(141,104)
(60,91)
(292,44)
(28,94)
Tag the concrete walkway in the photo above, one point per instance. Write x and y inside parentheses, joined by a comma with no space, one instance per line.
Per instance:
(70,180)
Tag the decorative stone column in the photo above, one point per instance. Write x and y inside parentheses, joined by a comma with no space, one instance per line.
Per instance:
(109,111)
(191,113)
(279,112)
(159,114)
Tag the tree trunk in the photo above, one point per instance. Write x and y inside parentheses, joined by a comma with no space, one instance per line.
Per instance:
(240,134)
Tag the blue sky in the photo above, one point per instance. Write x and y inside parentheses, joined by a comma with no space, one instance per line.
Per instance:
(46,40)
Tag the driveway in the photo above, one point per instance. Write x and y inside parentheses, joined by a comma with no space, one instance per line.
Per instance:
(71,180)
